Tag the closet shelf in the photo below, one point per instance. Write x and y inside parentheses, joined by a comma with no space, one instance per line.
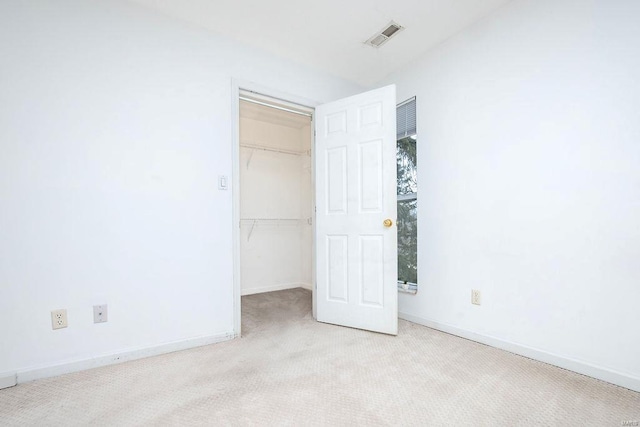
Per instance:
(253,147)
(273,221)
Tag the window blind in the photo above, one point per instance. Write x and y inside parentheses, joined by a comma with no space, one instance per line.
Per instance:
(406,118)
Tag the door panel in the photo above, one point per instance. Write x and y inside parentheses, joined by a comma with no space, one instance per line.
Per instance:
(355,192)
(371,277)
(336,172)
(337,273)
(371,176)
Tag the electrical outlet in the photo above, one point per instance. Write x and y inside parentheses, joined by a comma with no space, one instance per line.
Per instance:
(100,313)
(475,297)
(59,319)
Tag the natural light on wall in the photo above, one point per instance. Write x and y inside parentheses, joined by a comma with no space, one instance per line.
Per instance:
(407,197)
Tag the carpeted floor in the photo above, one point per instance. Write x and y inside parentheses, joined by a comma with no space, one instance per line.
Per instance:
(290,370)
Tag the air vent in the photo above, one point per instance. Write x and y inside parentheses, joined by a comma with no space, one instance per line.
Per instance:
(382,36)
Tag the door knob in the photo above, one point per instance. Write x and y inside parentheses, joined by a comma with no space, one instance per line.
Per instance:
(388,223)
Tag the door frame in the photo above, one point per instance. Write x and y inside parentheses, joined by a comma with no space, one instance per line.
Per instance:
(236,86)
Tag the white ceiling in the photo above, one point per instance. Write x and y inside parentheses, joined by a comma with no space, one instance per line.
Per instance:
(329,34)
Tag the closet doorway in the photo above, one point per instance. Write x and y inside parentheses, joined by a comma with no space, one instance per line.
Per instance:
(319,191)
(275,194)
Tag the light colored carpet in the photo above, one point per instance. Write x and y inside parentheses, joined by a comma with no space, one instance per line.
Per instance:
(290,370)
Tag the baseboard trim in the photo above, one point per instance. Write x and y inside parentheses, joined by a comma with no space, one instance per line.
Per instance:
(7,380)
(272,288)
(307,286)
(32,374)
(584,368)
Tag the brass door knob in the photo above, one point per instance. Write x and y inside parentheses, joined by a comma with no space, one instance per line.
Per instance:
(388,223)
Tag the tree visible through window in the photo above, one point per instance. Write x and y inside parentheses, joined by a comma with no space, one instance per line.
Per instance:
(407,198)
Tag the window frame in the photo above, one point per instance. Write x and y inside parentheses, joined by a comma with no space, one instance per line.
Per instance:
(406,118)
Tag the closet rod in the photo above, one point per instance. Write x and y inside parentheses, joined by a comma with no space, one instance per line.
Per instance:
(277,107)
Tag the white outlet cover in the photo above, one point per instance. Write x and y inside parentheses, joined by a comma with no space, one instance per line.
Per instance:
(100,313)
(476,297)
(59,319)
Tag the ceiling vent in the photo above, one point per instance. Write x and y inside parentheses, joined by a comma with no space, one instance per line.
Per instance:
(381,37)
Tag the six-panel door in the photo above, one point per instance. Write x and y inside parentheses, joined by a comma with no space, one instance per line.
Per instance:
(356,256)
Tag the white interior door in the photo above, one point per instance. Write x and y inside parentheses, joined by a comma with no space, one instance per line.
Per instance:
(356,254)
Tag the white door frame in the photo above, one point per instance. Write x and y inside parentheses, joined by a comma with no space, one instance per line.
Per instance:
(236,86)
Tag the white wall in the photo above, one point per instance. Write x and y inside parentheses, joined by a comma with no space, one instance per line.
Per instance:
(114,125)
(529,183)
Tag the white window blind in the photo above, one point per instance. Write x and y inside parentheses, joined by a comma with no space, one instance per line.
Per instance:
(406,118)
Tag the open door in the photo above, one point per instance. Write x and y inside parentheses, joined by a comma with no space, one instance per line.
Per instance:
(356,235)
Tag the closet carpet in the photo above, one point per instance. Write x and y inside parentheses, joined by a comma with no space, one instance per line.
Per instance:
(288,369)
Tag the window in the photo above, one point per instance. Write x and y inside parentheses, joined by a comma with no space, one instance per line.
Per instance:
(407,191)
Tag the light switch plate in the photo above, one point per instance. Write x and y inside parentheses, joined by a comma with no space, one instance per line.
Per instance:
(223,182)
(100,313)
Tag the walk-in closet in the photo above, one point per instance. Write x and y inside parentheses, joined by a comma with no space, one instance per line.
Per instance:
(276,233)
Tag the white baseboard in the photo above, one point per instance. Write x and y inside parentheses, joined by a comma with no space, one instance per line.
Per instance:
(124,356)
(584,368)
(7,380)
(272,288)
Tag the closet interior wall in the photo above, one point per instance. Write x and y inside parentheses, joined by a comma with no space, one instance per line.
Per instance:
(275,199)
